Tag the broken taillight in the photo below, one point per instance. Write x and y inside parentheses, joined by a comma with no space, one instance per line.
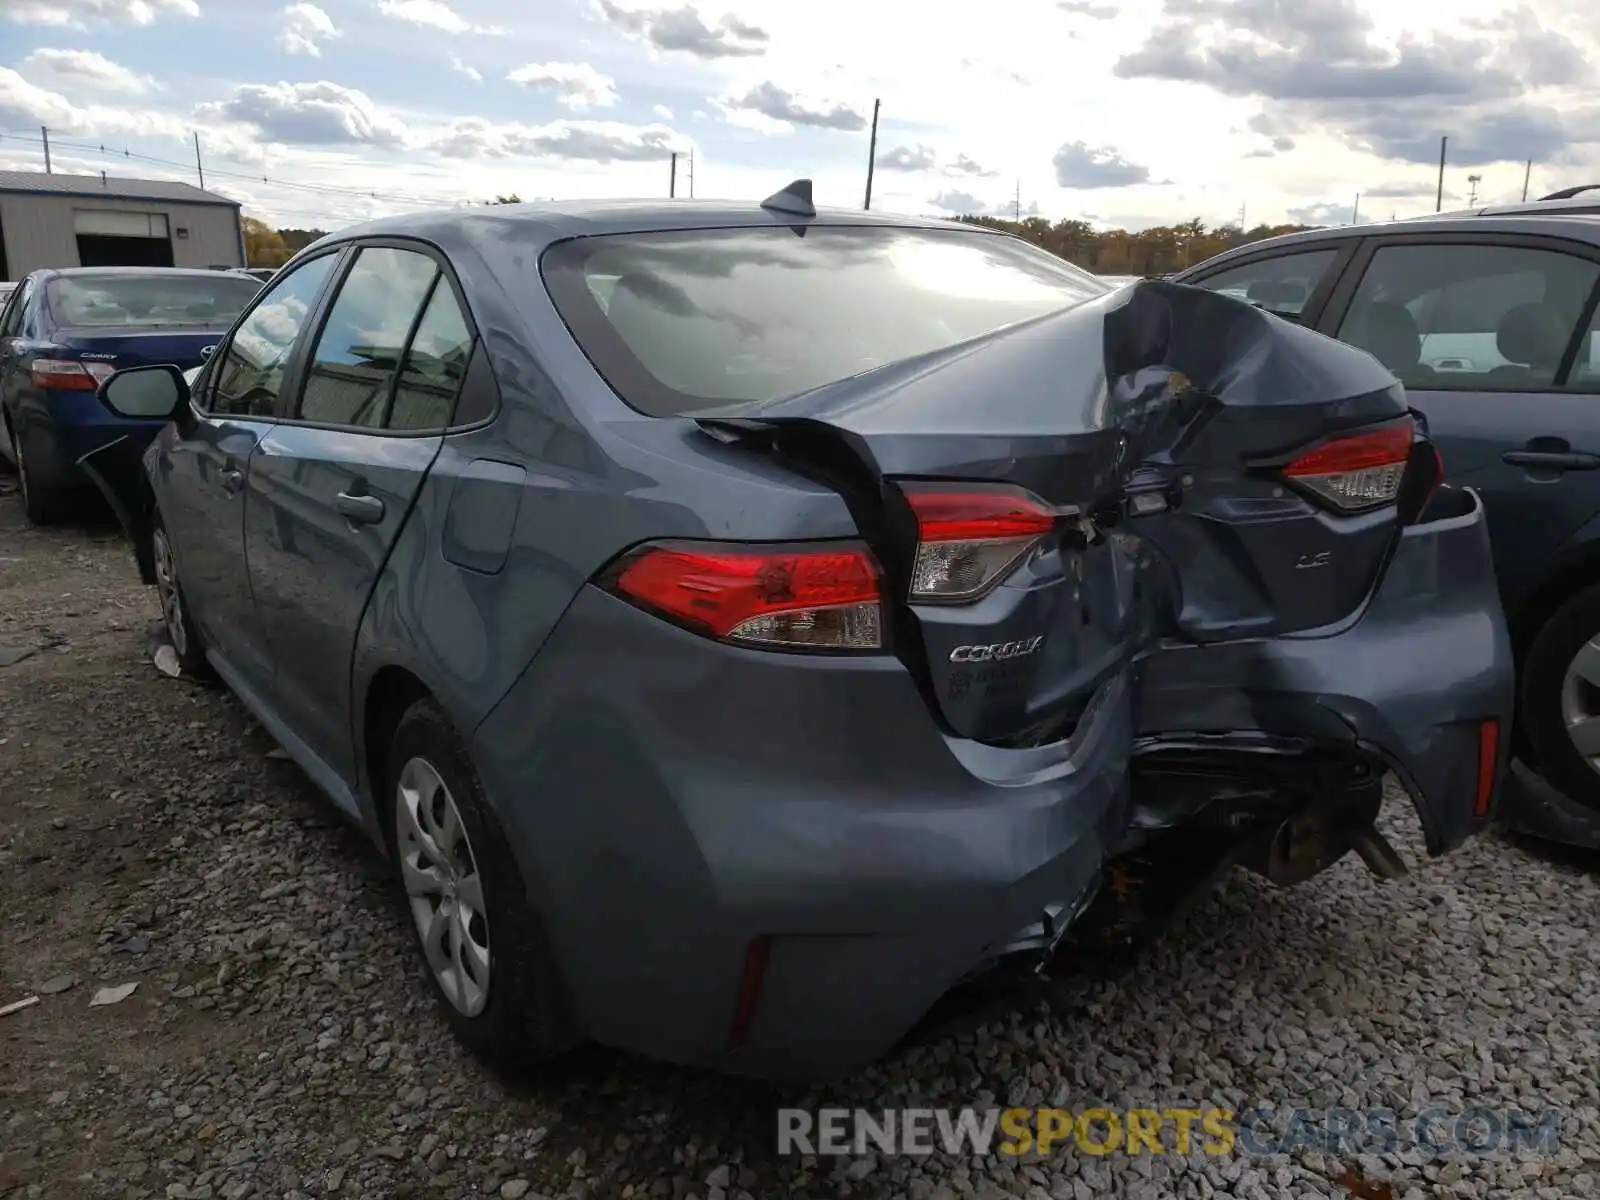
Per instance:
(970,536)
(1356,471)
(69,376)
(795,597)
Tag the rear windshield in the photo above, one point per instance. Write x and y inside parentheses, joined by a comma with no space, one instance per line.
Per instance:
(149,300)
(688,320)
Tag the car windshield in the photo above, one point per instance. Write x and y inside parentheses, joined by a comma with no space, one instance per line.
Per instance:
(149,300)
(688,320)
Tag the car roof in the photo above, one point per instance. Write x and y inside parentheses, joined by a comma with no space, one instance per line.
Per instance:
(1574,226)
(544,223)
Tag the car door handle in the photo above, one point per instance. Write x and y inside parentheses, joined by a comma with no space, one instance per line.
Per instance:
(363,508)
(232,481)
(1552,460)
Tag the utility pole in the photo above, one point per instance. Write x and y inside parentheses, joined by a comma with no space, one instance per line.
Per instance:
(1527,174)
(44,135)
(199,167)
(872,155)
(1355,213)
(691,172)
(672,180)
(1016,204)
(1438,201)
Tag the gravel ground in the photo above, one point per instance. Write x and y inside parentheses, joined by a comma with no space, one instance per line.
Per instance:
(280,1042)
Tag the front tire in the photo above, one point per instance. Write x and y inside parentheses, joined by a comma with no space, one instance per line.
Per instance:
(482,944)
(1560,698)
(181,631)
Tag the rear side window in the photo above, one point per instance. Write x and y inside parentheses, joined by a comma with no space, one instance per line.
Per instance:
(358,352)
(1282,286)
(688,320)
(1471,317)
(435,365)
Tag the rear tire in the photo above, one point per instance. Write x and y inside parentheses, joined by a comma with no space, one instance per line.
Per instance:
(482,944)
(41,504)
(1560,690)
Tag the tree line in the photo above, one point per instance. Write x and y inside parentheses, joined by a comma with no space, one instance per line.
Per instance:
(1157,251)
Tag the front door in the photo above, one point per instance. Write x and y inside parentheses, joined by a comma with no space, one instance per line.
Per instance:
(200,489)
(332,484)
(1491,336)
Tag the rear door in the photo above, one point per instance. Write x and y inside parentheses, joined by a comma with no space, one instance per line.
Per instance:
(1492,334)
(331,484)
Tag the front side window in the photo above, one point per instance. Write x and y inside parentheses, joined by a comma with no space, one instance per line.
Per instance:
(250,377)
(1470,317)
(1282,286)
(683,321)
(353,367)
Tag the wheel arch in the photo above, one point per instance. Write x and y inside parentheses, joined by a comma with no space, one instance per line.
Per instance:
(1577,570)
(390,693)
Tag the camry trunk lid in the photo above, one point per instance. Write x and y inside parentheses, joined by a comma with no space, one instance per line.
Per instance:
(1158,462)
(131,347)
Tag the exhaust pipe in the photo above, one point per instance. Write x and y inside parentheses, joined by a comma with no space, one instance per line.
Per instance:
(1309,843)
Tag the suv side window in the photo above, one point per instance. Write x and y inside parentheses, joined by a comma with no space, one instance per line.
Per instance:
(1470,317)
(352,371)
(1282,285)
(250,376)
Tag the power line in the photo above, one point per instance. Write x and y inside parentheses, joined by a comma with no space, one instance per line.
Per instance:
(324,189)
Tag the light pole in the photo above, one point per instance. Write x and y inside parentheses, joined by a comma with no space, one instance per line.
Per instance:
(1472,195)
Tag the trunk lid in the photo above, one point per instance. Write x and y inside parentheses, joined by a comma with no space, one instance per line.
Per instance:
(127,347)
(1154,422)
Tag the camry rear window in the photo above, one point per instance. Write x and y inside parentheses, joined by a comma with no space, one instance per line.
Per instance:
(683,321)
(90,300)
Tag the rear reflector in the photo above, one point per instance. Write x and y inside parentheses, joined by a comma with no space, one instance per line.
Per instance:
(1488,760)
(970,537)
(69,376)
(756,956)
(823,597)
(1361,471)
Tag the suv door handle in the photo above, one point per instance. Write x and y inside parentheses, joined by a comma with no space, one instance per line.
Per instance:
(232,481)
(363,508)
(1550,460)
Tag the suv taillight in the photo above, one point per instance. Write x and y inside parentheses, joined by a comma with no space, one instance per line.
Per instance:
(1357,471)
(823,596)
(971,536)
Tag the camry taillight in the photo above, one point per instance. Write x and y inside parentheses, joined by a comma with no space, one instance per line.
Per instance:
(970,536)
(69,376)
(796,597)
(1356,471)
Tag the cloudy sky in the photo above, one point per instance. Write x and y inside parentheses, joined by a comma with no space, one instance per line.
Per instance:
(318,112)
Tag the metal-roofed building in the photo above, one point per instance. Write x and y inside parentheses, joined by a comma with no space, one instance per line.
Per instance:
(54,220)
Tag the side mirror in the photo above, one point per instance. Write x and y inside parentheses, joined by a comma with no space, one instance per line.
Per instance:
(157,392)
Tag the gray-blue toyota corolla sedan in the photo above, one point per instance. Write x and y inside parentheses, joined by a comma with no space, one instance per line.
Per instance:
(743,625)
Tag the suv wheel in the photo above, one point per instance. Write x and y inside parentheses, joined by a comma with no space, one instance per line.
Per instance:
(481,942)
(1560,701)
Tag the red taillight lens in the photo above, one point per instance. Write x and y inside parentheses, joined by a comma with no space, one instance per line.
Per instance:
(69,376)
(803,598)
(1488,760)
(1360,471)
(970,537)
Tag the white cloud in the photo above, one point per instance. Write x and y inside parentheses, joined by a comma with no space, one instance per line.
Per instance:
(79,14)
(466,69)
(577,86)
(591,141)
(304,25)
(309,114)
(26,105)
(662,111)
(432,14)
(86,69)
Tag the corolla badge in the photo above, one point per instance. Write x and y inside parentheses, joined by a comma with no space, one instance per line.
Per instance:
(997,651)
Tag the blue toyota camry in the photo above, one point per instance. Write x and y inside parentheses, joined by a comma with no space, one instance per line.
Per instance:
(742,624)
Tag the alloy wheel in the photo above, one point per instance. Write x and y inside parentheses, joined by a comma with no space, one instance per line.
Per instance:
(167,591)
(443,886)
(1580,702)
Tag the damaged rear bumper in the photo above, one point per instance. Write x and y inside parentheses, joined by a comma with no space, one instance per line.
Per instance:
(1421,679)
